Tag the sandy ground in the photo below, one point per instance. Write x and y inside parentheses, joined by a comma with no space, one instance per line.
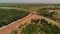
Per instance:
(14,25)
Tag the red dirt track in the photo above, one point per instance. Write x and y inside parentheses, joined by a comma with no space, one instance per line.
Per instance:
(14,25)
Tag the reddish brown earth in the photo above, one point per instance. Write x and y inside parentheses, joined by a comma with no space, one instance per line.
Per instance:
(14,25)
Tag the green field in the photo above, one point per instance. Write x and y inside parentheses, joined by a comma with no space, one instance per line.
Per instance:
(9,15)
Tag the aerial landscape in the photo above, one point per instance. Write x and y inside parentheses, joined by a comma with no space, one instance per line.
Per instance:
(25,18)
(29,18)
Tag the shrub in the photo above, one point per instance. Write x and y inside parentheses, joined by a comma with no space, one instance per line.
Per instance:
(35,20)
(43,21)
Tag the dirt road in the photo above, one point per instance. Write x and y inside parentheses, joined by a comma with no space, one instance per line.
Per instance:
(14,25)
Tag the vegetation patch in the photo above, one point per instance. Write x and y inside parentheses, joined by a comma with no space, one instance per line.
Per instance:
(43,28)
(9,15)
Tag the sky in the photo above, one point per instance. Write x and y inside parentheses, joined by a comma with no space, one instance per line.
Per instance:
(30,1)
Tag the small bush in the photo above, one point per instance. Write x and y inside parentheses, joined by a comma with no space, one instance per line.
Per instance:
(43,21)
(35,20)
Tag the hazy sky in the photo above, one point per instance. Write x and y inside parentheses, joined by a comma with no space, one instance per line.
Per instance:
(29,1)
